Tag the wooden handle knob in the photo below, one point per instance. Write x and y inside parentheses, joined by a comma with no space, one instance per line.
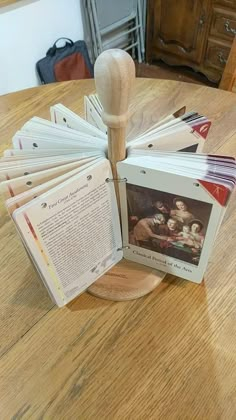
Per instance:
(114,78)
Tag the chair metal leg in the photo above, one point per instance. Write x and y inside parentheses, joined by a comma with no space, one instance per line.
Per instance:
(140,21)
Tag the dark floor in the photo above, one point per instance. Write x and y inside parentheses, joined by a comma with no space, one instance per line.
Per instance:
(162,71)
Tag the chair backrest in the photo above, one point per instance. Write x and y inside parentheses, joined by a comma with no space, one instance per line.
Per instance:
(112,14)
(228,81)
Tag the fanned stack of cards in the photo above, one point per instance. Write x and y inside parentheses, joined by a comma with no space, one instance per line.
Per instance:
(58,188)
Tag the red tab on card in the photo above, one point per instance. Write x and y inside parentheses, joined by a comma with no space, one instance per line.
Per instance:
(219,192)
(30,226)
(224,157)
(202,128)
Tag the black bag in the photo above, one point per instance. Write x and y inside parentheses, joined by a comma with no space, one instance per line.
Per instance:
(70,62)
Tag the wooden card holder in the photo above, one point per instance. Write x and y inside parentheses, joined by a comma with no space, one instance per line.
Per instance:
(114,79)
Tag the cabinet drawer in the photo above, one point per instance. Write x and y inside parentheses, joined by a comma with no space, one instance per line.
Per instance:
(227,3)
(216,54)
(223,24)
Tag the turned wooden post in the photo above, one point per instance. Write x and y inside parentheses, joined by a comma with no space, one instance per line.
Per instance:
(114,78)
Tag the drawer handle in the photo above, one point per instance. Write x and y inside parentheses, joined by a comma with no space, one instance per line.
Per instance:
(222,59)
(202,20)
(229,29)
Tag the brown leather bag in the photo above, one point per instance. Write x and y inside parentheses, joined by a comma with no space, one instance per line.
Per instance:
(70,62)
(72,67)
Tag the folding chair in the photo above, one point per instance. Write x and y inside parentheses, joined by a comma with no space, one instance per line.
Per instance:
(116,24)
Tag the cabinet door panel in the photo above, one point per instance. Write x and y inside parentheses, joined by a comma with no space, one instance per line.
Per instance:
(179,27)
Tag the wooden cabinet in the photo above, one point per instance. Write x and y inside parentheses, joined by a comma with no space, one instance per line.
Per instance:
(196,33)
(178,27)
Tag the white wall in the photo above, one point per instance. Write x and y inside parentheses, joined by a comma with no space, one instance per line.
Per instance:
(26,33)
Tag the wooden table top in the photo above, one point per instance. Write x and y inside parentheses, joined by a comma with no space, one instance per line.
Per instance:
(168,355)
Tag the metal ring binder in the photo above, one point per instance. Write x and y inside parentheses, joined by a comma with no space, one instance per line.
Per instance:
(123,247)
(116,179)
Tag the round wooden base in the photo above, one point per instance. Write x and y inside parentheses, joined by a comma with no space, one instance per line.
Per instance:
(126,281)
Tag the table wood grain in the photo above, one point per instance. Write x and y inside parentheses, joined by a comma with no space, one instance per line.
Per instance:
(168,355)
(4,3)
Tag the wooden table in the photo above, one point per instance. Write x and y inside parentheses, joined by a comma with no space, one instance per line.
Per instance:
(168,355)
